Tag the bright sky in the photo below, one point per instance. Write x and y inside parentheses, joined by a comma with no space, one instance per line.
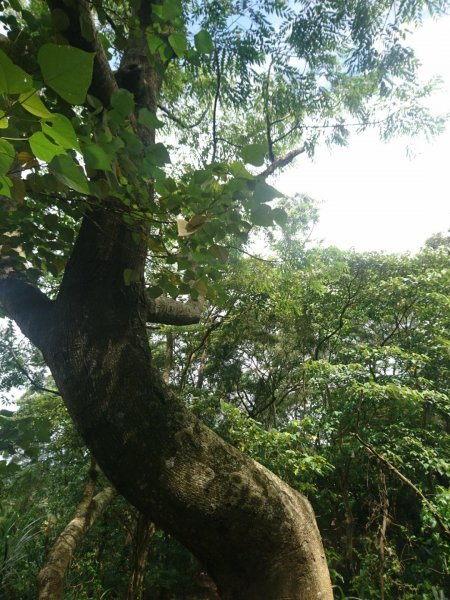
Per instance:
(373,196)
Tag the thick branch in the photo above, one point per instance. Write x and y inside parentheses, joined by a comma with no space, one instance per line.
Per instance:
(51,576)
(170,312)
(26,305)
(281,162)
(408,482)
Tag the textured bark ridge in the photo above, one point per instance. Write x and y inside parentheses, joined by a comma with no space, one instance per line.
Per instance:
(255,535)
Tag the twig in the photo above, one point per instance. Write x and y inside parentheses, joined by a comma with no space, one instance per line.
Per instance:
(268,123)
(405,480)
(216,100)
(179,121)
(254,256)
(28,376)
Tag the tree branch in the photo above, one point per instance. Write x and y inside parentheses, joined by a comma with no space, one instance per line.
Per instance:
(26,305)
(167,311)
(179,122)
(386,463)
(281,162)
(24,372)
(216,100)
(267,116)
(51,576)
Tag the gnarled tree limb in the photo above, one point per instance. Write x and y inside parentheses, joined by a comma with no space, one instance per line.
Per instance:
(167,311)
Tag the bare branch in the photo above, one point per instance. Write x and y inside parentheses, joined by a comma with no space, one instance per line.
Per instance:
(405,480)
(267,115)
(51,576)
(22,369)
(216,101)
(179,122)
(281,162)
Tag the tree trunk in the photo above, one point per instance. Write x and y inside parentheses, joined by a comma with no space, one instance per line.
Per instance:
(256,536)
(142,538)
(51,576)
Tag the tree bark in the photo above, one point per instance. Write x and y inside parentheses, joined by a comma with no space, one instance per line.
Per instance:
(51,576)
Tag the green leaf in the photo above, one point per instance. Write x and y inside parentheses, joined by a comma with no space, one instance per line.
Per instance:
(168,11)
(154,42)
(61,130)
(279,216)
(43,148)
(193,57)
(100,188)
(97,158)
(13,79)
(165,52)
(237,169)
(169,287)
(254,154)
(149,119)
(31,102)
(219,252)
(264,192)
(155,291)
(7,155)
(123,101)
(5,186)
(262,216)
(178,42)
(67,70)
(157,154)
(68,172)
(130,276)
(3,120)
(204,42)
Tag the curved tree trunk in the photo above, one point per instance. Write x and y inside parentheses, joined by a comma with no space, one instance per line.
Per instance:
(51,576)
(256,536)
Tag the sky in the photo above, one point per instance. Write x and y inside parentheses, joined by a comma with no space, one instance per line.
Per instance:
(372,195)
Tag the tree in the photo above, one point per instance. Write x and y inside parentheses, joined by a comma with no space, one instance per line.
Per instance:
(92,240)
